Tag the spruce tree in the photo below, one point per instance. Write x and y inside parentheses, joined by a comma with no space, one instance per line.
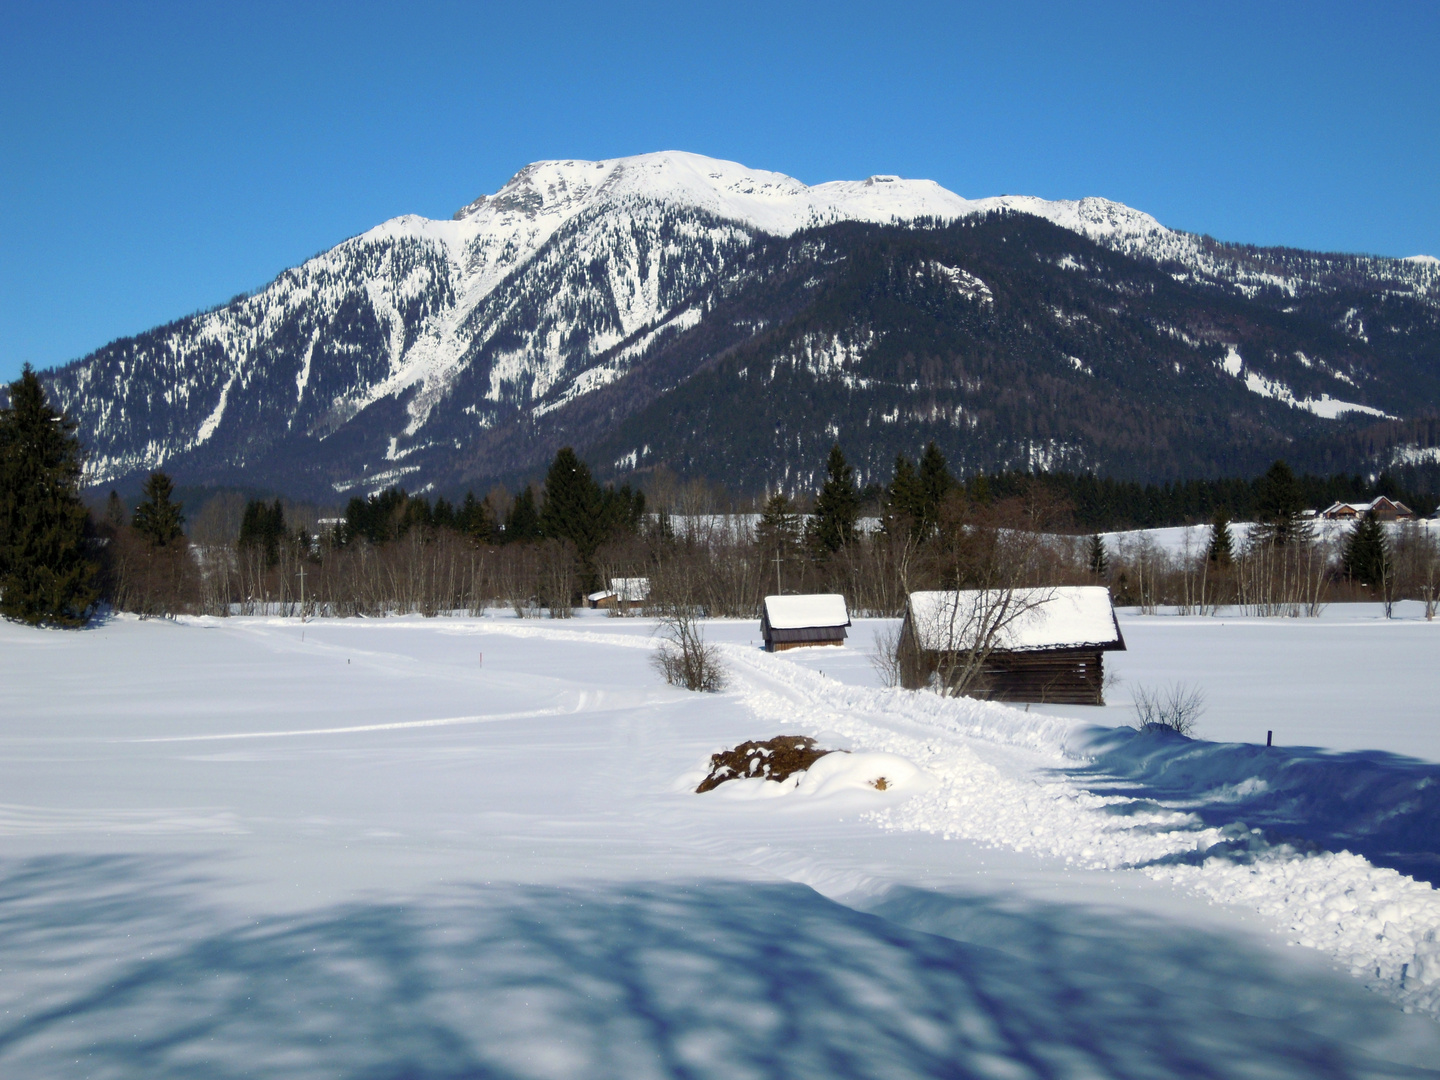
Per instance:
(777,535)
(1221,549)
(621,511)
(978,489)
(837,509)
(46,575)
(116,516)
(573,504)
(158,519)
(1098,560)
(523,520)
(1366,557)
(1280,506)
(905,499)
(263,526)
(476,518)
(935,483)
(443,515)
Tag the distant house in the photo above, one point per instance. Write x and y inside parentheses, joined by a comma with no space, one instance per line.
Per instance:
(623,593)
(790,622)
(1049,645)
(1385,509)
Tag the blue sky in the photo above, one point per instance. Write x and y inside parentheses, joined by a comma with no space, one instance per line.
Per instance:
(159,158)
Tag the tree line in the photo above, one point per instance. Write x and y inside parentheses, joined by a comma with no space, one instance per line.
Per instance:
(543,548)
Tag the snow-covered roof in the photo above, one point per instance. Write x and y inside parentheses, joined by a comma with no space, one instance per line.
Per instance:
(601,595)
(802,612)
(631,588)
(1362,508)
(1031,619)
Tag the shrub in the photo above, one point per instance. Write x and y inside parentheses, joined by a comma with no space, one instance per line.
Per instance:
(1174,708)
(885,656)
(684,657)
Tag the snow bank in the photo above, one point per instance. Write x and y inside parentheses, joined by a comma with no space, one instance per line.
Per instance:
(1380,923)
(1383,806)
(870,773)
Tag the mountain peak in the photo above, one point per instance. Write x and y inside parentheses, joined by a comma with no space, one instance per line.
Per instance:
(771,202)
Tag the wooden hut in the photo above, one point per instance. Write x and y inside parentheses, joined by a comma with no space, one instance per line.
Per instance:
(791,622)
(1047,645)
(623,593)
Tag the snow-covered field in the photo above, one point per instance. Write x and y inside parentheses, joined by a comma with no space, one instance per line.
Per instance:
(470,847)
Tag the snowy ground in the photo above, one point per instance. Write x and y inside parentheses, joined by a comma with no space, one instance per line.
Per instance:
(247,847)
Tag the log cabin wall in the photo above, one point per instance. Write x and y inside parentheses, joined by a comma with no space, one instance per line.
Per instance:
(1055,676)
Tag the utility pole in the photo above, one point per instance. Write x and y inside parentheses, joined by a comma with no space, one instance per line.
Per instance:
(779,589)
(302,589)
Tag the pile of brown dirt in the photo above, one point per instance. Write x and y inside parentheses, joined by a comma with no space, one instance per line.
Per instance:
(773,759)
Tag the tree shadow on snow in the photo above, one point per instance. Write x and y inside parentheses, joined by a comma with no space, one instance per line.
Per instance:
(113,968)
(1383,806)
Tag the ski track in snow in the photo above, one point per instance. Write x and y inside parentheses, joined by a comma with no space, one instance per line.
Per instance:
(444,721)
(1380,924)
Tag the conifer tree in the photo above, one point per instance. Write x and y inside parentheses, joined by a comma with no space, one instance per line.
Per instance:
(46,575)
(935,483)
(905,498)
(572,504)
(158,519)
(476,518)
(116,516)
(978,488)
(777,534)
(443,515)
(1221,549)
(1280,505)
(415,513)
(1366,557)
(523,520)
(1098,560)
(621,511)
(263,526)
(837,509)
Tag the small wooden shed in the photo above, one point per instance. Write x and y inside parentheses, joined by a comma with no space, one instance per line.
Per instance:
(624,593)
(791,622)
(1048,645)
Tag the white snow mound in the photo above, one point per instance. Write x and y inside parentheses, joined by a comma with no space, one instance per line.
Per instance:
(835,773)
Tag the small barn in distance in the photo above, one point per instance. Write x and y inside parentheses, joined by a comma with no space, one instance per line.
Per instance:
(623,593)
(790,622)
(1049,647)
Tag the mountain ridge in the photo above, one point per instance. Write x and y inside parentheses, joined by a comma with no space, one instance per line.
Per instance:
(421,339)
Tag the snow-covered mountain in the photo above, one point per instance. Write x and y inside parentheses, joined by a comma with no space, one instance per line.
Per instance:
(420,340)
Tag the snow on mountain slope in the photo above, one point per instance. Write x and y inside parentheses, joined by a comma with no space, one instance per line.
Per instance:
(448,328)
(553,191)
(401,309)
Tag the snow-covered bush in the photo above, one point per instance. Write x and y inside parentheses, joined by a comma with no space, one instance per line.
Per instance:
(1174,708)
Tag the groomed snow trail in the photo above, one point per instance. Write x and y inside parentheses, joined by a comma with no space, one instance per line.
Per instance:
(1382,925)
